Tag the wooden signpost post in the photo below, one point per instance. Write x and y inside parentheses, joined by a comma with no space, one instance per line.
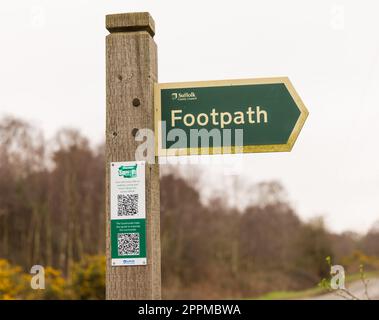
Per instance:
(268,112)
(131,71)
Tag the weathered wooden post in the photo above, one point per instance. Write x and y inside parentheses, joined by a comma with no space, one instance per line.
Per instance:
(131,70)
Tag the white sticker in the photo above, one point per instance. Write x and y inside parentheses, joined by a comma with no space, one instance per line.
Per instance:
(128,213)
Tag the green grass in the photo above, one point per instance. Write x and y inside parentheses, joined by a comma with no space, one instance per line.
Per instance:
(311,292)
(288,295)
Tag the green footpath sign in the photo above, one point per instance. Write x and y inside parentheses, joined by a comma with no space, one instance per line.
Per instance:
(231,116)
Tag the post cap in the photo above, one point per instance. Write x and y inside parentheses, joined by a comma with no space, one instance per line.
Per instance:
(130,22)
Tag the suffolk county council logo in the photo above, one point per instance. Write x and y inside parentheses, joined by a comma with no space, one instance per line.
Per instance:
(183,96)
(128,171)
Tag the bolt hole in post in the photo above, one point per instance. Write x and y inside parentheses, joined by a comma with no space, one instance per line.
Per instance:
(136,102)
(114,134)
(119,77)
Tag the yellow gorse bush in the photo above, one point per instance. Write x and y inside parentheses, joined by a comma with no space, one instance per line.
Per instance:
(359,258)
(87,282)
(13,282)
(56,287)
(88,278)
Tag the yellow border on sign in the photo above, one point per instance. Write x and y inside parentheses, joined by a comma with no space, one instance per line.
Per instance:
(159,151)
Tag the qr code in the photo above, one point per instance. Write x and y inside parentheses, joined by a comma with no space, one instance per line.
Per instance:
(128,244)
(127,204)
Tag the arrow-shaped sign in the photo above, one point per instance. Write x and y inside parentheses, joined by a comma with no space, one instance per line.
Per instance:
(228,116)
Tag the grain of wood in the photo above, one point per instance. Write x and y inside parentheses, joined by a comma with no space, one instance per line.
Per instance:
(131,71)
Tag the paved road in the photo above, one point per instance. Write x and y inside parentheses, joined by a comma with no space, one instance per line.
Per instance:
(357,289)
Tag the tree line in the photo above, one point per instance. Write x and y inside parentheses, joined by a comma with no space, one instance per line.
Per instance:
(52,213)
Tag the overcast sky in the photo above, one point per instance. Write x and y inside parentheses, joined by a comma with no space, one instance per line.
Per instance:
(52,72)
